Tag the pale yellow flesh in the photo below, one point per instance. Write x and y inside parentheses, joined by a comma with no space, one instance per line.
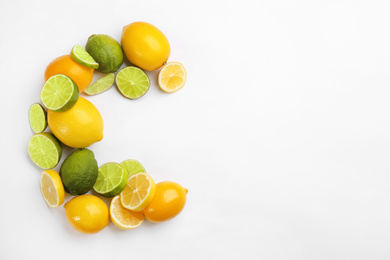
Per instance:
(124,218)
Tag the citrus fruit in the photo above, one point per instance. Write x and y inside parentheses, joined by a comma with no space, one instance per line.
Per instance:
(45,150)
(87,213)
(106,51)
(132,166)
(59,93)
(81,56)
(145,46)
(168,202)
(65,65)
(78,127)
(101,85)
(172,77)
(124,218)
(52,189)
(79,172)
(37,117)
(138,192)
(132,82)
(111,180)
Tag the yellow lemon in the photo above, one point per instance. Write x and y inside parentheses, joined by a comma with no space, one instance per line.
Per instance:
(87,213)
(78,127)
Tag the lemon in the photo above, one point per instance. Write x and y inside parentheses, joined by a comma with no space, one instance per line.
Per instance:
(87,213)
(78,127)
(79,172)
(172,77)
(52,189)
(124,218)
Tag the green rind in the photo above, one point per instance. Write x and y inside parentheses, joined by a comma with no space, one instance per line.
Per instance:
(82,57)
(128,81)
(37,117)
(67,104)
(106,51)
(79,172)
(110,186)
(36,153)
(101,85)
(132,166)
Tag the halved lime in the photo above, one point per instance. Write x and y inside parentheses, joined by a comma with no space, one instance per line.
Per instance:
(132,82)
(59,93)
(81,56)
(111,180)
(45,150)
(132,166)
(38,118)
(101,85)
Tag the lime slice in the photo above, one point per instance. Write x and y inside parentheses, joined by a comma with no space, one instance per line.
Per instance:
(45,150)
(132,82)
(132,166)
(38,118)
(59,93)
(111,180)
(81,56)
(101,85)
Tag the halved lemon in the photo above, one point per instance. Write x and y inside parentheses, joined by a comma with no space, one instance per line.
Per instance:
(172,77)
(124,218)
(52,189)
(139,192)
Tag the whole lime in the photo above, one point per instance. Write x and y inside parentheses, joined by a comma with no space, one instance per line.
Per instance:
(106,51)
(79,172)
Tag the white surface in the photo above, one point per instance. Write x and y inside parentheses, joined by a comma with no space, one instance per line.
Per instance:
(281,134)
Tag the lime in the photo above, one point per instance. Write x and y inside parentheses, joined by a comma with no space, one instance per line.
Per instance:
(45,150)
(132,82)
(79,55)
(132,166)
(101,85)
(38,118)
(79,172)
(106,51)
(59,93)
(112,179)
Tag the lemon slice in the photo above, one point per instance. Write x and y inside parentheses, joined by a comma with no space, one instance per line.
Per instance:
(139,192)
(172,77)
(124,218)
(52,189)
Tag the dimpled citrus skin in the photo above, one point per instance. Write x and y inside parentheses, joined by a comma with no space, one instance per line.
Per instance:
(145,46)
(65,65)
(87,213)
(78,127)
(168,202)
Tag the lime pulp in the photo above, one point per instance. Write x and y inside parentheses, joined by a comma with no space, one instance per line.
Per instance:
(82,57)
(38,118)
(132,82)
(111,180)
(132,166)
(45,150)
(101,85)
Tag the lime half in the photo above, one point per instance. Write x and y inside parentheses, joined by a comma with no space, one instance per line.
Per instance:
(111,180)
(45,150)
(101,85)
(132,166)
(59,93)
(132,82)
(38,118)
(81,56)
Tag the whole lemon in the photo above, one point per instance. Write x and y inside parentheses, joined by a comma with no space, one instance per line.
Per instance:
(65,65)
(145,46)
(87,213)
(168,201)
(78,127)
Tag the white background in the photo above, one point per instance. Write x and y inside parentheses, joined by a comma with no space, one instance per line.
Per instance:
(281,133)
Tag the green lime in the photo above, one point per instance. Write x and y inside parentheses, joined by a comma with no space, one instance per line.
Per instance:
(112,179)
(45,150)
(38,118)
(101,85)
(106,51)
(132,166)
(59,93)
(132,82)
(79,172)
(79,55)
